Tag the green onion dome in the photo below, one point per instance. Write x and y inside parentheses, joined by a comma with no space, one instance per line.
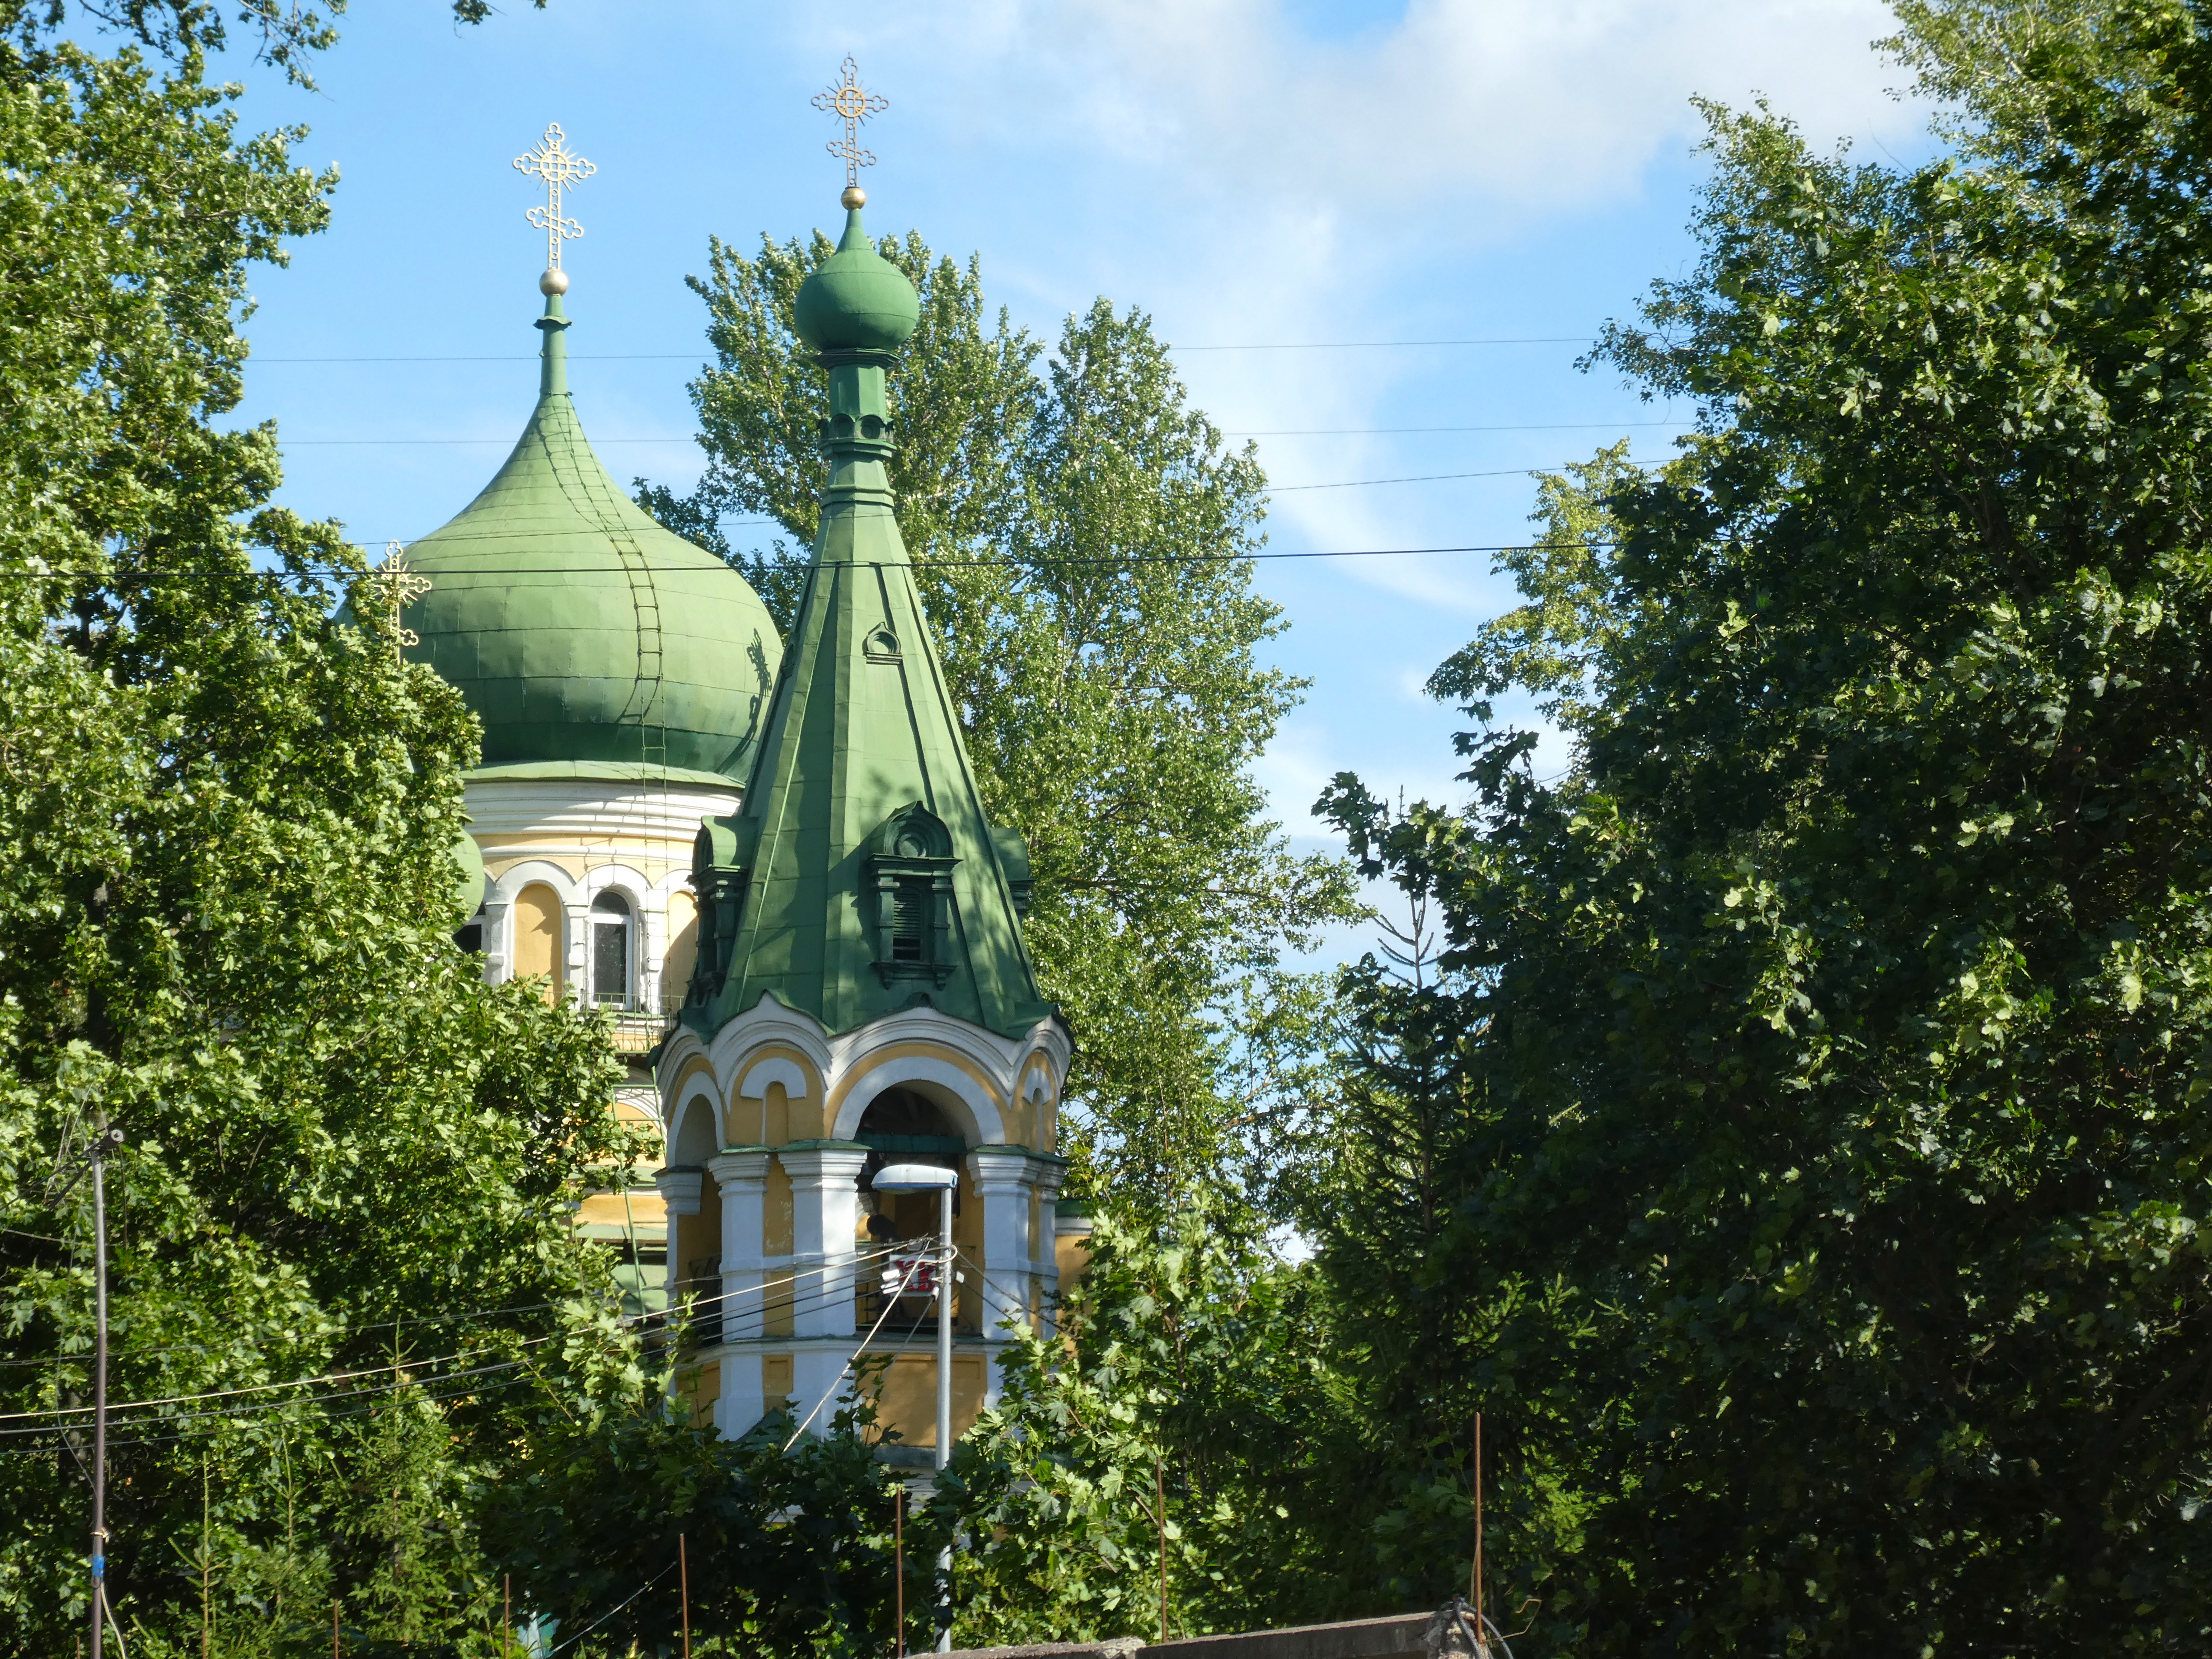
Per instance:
(577,628)
(858,301)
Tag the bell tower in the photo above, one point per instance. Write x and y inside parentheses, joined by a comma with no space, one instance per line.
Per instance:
(863,992)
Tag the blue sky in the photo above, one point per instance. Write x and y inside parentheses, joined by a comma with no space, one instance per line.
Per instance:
(1267,175)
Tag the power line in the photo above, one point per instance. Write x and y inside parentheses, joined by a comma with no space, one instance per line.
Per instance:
(833,564)
(783,1279)
(1291,432)
(681,356)
(1425,477)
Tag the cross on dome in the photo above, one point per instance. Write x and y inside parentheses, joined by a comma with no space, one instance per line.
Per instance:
(553,162)
(398,585)
(851,103)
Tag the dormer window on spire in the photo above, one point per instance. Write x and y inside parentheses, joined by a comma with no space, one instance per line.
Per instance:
(909,876)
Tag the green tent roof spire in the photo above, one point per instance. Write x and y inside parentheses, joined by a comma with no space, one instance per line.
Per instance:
(862,876)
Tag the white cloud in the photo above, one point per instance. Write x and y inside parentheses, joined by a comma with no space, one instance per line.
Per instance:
(1537,106)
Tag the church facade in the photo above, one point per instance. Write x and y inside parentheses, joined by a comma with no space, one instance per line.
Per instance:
(768,859)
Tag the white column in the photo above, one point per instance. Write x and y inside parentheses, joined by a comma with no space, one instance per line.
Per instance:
(499,948)
(743,1176)
(825,1208)
(1049,1173)
(652,940)
(1002,1182)
(679,1190)
(576,927)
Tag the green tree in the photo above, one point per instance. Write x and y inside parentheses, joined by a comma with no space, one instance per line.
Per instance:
(227,814)
(1831,1038)
(1076,529)
(1184,1424)
(787,1536)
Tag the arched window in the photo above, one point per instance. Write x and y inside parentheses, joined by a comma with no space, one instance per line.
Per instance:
(611,950)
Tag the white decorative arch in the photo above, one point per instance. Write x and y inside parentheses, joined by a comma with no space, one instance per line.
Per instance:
(695,1133)
(533,873)
(1037,1085)
(775,1069)
(632,885)
(948,1085)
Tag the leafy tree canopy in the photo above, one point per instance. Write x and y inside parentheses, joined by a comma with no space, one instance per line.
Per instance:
(1076,529)
(1819,1066)
(339,1223)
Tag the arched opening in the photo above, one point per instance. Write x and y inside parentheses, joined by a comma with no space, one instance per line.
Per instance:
(904,1125)
(538,936)
(612,953)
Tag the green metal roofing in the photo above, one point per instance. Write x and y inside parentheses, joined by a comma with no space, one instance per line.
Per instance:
(577,628)
(858,301)
(594,772)
(863,779)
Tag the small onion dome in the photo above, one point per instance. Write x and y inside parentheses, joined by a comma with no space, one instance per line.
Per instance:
(858,301)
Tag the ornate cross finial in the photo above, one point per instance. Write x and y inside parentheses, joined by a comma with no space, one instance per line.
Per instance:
(552,162)
(399,586)
(852,104)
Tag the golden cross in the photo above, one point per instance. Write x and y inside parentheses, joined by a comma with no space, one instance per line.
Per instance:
(399,586)
(552,161)
(853,104)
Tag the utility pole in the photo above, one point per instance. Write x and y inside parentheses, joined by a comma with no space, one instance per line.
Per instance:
(95,1158)
(944,1283)
(928,1178)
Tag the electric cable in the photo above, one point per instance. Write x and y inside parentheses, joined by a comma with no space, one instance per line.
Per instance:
(343,572)
(262,1414)
(1227,431)
(890,1302)
(372,1327)
(683,356)
(611,1612)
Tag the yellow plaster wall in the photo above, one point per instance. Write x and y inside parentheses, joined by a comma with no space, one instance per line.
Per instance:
(683,944)
(779,1225)
(643,1212)
(777,1305)
(1070,1253)
(702,1387)
(699,1237)
(776,1379)
(538,936)
(906,1396)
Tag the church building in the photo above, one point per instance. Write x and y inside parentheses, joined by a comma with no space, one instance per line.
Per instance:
(769,860)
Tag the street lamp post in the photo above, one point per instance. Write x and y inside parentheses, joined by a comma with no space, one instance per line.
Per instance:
(922,1178)
(95,1158)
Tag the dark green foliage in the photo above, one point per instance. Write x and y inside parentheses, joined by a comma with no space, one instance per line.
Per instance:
(226,897)
(1823,1055)
(789,1551)
(1189,1366)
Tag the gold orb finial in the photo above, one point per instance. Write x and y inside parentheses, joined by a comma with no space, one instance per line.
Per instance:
(854,197)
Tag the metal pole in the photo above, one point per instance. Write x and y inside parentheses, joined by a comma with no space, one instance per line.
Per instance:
(898,1571)
(1481,1631)
(944,1408)
(99,1394)
(684,1588)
